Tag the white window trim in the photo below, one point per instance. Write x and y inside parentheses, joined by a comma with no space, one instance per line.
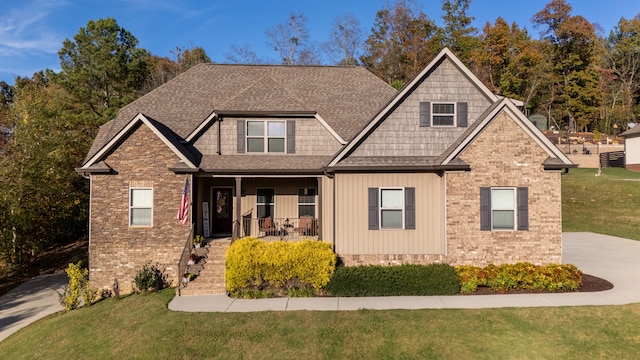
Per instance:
(265,204)
(315,201)
(265,136)
(455,113)
(402,208)
(514,208)
(140,207)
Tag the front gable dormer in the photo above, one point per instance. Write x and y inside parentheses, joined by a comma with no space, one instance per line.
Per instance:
(427,116)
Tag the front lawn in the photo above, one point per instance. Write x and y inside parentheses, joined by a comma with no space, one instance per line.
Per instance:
(607,204)
(141,327)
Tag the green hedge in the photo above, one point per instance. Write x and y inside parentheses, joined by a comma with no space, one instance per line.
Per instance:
(523,275)
(376,280)
(253,264)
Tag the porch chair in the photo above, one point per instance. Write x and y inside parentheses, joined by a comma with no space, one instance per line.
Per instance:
(305,226)
(267,226)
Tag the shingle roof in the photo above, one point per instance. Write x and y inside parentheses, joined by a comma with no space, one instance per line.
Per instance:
(634,131)
(345,97)
(263,163)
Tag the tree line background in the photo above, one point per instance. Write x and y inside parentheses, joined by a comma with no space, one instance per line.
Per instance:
(578,77)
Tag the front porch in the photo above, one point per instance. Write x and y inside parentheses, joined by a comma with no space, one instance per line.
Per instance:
(272,208)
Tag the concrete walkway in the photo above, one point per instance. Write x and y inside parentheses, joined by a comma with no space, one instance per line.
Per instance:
(30,301)
(614,259)
(611,258)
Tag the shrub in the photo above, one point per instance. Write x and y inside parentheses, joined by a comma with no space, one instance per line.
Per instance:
(150,277)
(70,296)
(255,264)
(523,275)
(377,280)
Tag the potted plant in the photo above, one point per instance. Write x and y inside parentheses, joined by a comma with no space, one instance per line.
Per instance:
(198,241)
(193,259)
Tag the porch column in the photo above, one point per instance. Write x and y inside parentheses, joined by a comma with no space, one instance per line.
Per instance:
(238,223)
(320,207)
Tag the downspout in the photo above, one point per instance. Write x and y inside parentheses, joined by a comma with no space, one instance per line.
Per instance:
(219,133)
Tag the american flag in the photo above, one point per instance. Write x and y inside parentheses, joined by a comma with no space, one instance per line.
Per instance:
(183,213)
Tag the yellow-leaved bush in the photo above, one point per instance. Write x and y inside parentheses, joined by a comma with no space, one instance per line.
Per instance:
(252,263)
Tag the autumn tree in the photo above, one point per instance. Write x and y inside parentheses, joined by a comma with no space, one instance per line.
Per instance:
(402,42)
(573,42)
(458,34)
(291,41)
(345,40)
(103,68)
(510,62)
(163,69)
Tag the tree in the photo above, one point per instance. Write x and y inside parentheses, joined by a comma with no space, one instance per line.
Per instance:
(42,200)
(291,41)
(243,54)
(402,41)
(163,69)
(103,67)
(458,34)
(576,81)
(345,40)
(622,62)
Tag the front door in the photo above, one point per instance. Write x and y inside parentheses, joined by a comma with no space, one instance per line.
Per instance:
(222,211)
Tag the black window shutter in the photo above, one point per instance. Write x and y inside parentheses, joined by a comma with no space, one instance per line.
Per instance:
(291,136)
(485,208)
(241,124)
(463,115)
(425,114)
(523,208)
(410,208)
(373,209)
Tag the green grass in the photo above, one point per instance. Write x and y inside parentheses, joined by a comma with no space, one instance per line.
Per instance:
(141,327)
(608,204)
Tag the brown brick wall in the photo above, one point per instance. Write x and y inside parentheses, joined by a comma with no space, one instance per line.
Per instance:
(117,251)
(503,155)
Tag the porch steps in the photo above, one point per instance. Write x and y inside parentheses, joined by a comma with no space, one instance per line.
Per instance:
(210,278)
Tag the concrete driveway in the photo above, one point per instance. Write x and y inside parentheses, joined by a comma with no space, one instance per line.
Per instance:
(30,301)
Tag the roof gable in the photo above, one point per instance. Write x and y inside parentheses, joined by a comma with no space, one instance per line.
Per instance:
(164,133)
(410,88)
(525,124)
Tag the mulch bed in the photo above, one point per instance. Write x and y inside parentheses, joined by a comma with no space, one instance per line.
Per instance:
(590,283)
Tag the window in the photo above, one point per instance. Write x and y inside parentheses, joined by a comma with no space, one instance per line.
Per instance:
(140,207)
(306,202)
(504,208)
(265,204)
(443,114)
(266,136)
(392,208)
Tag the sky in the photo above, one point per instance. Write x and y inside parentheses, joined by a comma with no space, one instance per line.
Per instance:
(32,31)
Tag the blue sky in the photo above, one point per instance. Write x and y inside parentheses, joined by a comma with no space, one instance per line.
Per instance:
(32,31)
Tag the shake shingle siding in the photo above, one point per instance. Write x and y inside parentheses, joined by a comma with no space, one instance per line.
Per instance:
(400,134)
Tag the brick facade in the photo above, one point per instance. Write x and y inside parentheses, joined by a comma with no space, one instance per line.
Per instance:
(116,250)
(504,155)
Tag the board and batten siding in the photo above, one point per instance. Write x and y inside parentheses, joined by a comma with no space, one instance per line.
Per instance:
(400,134)
(351,219)
(285,199)
(311,137)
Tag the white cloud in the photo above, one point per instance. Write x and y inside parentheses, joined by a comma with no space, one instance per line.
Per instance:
(24,28)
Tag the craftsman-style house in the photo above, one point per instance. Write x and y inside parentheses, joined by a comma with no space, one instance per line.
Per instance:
(441,171)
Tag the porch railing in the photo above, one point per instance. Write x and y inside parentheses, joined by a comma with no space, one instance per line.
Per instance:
(184,258)
(281,228)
